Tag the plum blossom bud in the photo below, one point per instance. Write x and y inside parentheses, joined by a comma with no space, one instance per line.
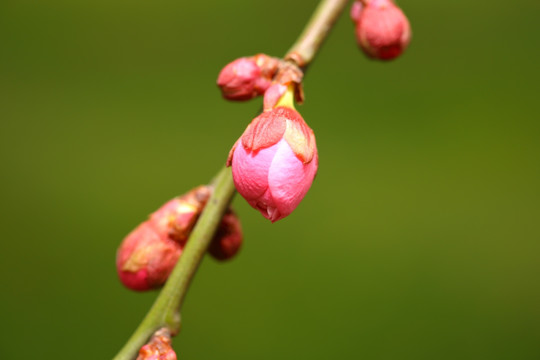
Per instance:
(274,161)
(382,30)
(145,258)
(228,238)
(158,348)
(247,77)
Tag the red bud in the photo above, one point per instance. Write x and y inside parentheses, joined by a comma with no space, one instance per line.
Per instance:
(146,258)
(382,30)
(247,77)
(228,238)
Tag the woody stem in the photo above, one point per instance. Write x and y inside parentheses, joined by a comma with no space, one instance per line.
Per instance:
(165,312)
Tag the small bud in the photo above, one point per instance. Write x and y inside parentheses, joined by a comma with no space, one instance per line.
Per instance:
(228,238)
(146,258)
(158,348)
(382,30)
(275,160)
(247,77)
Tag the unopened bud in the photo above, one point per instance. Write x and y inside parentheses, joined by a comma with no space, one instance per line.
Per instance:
(158,348)
(146,258)
(228,238)
(382,30)
(275,160)
(247,77)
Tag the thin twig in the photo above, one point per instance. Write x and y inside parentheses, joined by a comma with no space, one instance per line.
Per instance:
(317,29)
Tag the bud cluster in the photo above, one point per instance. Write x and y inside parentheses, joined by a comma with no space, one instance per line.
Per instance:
(275,160)
(148,254)
(382,30)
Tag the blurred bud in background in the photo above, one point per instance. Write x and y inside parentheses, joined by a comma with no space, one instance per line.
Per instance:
(382,30)
(228,238)
(145,258)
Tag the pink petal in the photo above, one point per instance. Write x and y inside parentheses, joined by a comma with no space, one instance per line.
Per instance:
(267,206)
(289,180)
(250,171)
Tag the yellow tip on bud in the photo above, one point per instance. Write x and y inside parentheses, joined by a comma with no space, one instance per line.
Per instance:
(287,100)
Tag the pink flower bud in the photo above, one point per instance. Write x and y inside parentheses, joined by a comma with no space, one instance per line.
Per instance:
(228,238)
(247,77)
(158,348)
(382,30)
(274,162)
(146,258)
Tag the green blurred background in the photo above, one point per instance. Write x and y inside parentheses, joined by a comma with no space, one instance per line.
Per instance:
(420,238)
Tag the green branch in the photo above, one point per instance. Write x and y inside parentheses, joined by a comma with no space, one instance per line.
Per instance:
(317,29)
